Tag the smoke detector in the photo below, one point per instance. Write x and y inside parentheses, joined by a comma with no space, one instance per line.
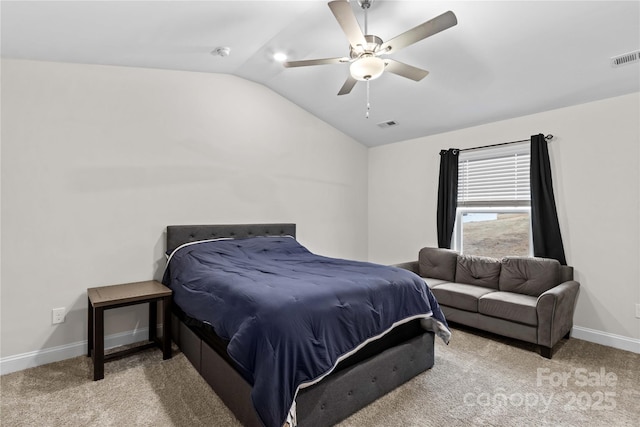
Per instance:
(221,51)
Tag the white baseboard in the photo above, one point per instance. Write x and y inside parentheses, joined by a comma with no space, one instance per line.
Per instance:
(605,338)
(32,359)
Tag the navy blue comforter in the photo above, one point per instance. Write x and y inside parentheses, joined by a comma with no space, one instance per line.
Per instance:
(290,315)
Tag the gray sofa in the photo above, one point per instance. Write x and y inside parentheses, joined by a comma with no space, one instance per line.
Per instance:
(530,299)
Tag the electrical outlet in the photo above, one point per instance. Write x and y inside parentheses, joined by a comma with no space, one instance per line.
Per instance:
(638,311)
(57,315)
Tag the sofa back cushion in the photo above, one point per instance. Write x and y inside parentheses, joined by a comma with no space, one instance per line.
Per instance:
(479,271)
(566,273)
(529,276)
(437,263)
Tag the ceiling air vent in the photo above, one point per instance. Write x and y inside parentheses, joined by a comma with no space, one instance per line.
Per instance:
(388,124)
(626,58)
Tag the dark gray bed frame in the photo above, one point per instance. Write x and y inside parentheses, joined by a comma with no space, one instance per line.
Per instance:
(324,404)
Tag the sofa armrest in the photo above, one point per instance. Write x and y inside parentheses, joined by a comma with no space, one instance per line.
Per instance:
(555,309)
(411,266)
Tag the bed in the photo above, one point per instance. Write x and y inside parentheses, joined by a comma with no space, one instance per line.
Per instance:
(374,367)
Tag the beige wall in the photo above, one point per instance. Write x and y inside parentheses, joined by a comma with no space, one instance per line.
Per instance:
(97,160)
(595,159)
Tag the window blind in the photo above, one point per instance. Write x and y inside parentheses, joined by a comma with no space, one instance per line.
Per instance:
(495,178)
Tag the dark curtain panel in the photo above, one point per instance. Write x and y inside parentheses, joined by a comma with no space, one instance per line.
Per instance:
(447,196)
(547,241)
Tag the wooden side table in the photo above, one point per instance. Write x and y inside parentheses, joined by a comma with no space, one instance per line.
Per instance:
(107,297)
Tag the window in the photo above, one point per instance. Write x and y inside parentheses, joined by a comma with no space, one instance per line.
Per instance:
(494,202)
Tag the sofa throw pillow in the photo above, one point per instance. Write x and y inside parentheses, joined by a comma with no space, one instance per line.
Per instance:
(479,271)
(437,263)
(529,276)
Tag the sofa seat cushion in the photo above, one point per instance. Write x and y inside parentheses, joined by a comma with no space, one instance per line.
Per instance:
(432,283)
(478,270)
(529,276)
(509,306)
(437,263)
(460,295)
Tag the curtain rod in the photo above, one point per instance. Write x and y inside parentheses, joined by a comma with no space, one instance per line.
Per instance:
(548,137)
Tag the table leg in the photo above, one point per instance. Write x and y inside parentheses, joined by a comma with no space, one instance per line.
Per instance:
(98,338)
(153,320)
(89,327)
(166,328)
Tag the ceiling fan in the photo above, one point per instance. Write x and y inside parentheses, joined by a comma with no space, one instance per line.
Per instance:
(366,51)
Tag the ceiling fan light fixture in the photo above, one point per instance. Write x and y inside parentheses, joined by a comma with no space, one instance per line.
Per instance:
(367,67)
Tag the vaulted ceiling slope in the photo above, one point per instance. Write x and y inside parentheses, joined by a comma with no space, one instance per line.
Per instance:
(504,58)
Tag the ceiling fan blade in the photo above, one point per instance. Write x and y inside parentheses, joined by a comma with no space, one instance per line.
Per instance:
(307,62)
(422,31)
(405,70)
(347,20)
(347,86)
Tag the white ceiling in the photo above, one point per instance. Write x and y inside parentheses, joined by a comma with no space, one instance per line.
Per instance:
(504,58)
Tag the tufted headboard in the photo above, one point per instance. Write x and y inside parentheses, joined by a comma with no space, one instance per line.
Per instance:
(180,234)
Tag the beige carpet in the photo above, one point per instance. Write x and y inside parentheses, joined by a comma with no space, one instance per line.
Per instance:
(477,380)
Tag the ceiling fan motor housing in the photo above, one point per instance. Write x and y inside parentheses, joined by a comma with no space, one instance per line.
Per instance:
(373,44)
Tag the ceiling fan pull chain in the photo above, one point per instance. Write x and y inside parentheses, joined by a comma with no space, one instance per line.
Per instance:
(368,103)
